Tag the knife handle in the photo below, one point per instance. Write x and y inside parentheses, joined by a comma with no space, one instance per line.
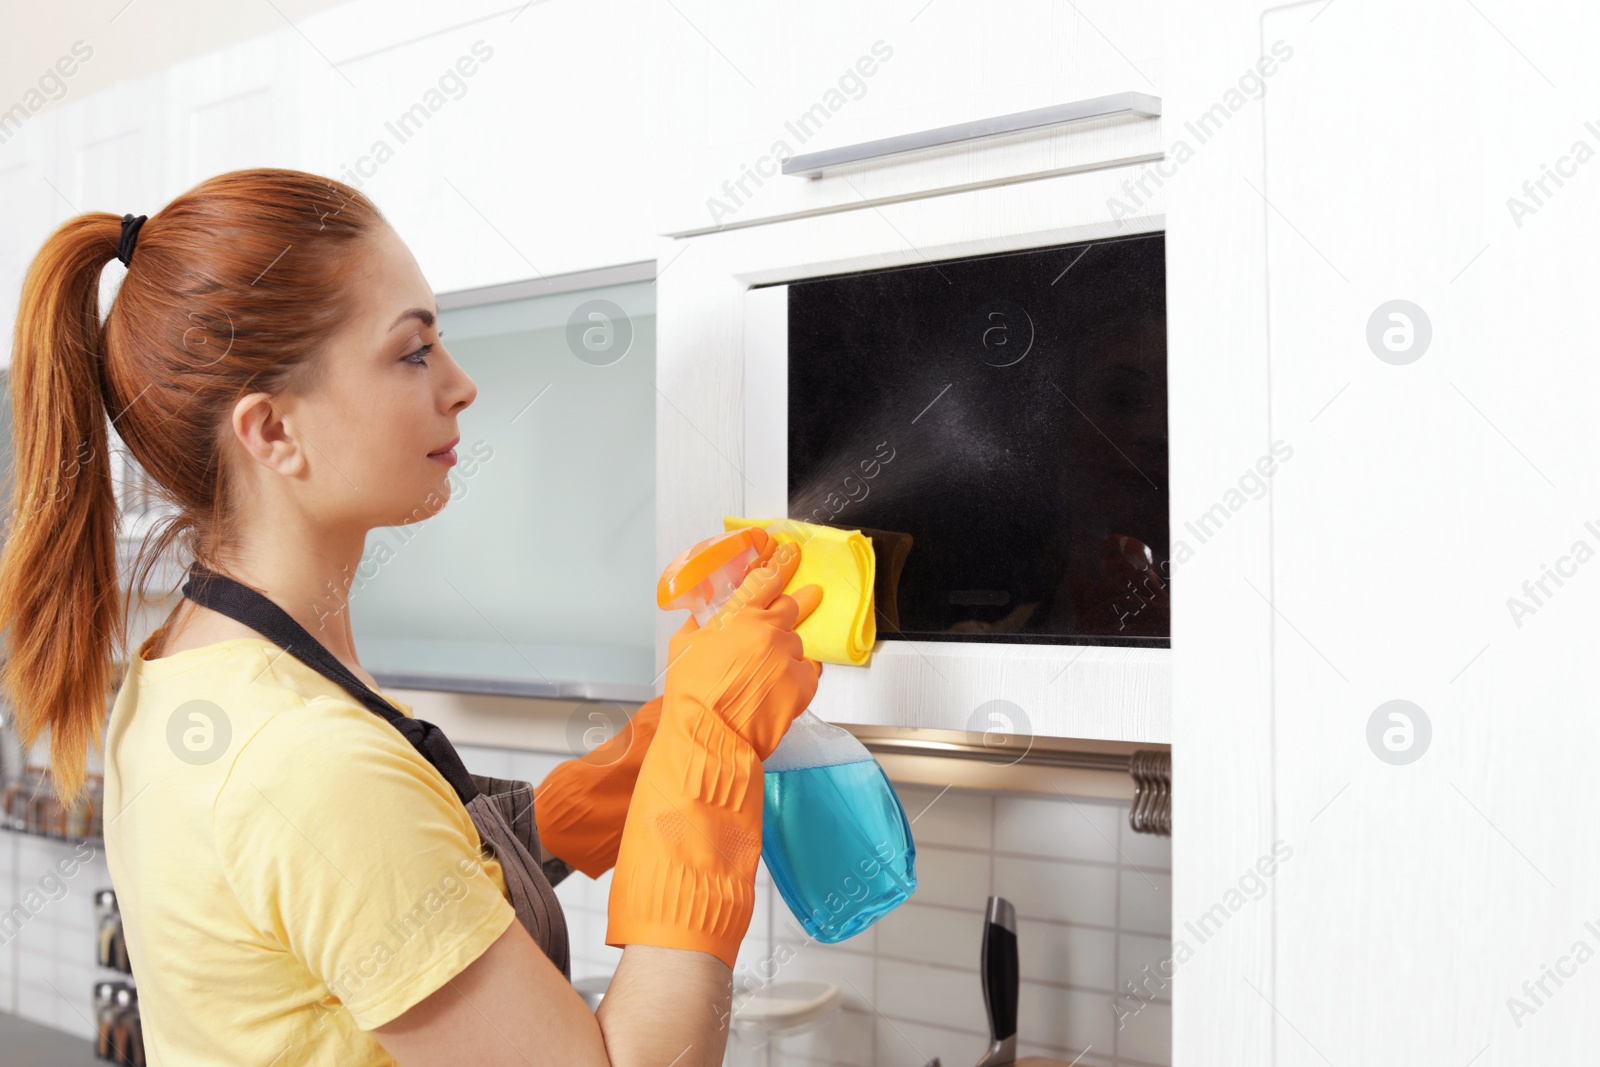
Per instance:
(1001,978)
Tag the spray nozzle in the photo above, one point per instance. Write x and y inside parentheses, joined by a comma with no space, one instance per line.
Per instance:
(703,577)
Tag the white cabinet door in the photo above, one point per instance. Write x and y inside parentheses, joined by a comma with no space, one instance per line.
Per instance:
(1359,271)
(504,142)
(106,152)
(749,85)
(499,141)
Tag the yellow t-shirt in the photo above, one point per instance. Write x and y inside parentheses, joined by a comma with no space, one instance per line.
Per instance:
(291,872)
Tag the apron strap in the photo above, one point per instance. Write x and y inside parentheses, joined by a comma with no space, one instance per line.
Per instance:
(244,605)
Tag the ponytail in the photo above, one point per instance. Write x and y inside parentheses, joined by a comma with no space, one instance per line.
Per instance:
(59,595)
(238,286)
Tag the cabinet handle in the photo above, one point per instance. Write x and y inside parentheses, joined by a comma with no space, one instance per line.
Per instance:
(812,164)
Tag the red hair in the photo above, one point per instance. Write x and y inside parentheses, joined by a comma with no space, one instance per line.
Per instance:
(234,287)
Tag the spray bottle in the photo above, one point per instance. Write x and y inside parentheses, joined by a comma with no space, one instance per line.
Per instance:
(833,834)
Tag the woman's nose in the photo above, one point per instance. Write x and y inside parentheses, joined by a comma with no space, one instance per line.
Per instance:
(464,390)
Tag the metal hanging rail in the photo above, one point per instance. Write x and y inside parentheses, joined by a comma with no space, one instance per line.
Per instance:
(1151,769)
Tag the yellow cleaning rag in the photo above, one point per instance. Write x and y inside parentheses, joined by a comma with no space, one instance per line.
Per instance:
(843,628)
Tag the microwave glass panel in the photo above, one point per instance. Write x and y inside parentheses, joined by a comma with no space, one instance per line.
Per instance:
(998,425)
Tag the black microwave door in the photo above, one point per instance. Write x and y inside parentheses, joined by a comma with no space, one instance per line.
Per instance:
(998,425)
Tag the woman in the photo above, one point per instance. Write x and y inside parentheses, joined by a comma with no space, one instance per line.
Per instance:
(302,881)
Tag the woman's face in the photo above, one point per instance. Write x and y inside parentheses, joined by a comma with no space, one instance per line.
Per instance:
(367,432)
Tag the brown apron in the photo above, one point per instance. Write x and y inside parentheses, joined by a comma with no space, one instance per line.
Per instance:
(501,808)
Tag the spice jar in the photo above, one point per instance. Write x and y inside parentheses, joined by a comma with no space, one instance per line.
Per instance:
(135,1033)
(125,1024)
(105,903)
(105,1015)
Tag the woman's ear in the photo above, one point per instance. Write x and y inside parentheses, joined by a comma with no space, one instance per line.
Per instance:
(266,435)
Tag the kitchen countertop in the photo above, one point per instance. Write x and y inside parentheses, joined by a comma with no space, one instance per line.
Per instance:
(29,1044)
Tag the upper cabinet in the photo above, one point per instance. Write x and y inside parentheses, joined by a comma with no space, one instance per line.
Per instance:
(753,85)
(489,139)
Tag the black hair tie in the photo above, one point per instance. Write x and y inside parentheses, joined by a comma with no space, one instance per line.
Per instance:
(130,234)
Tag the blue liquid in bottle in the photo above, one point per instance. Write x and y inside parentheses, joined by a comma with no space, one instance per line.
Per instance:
(838,845)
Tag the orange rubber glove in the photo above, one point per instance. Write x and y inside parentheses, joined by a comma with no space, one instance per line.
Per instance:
(685,874)
(581,804)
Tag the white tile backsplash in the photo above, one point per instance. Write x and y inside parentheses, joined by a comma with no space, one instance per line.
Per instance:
(947,816)
(956,878)
(1071,1019)
(1147,902)
(1067,955)
(1058,891)
(937,996)
(923,934)
(1033,826)
(1093,902)
(1142,965)
(1146,1036)
(1144,851)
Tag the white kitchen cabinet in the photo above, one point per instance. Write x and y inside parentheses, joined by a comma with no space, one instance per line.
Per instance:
(524,168)
(102,151)
(1425,904)
(32,209)
(226,111)
(504,141)
(752,84)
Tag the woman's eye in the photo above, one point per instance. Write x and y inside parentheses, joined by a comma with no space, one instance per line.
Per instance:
(417,356)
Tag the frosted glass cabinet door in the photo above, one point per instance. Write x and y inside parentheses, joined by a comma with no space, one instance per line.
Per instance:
(537,577)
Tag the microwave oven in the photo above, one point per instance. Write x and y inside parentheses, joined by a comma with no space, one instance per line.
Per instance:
(977,381)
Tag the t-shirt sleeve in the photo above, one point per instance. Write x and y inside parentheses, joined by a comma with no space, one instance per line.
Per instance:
(345,847)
